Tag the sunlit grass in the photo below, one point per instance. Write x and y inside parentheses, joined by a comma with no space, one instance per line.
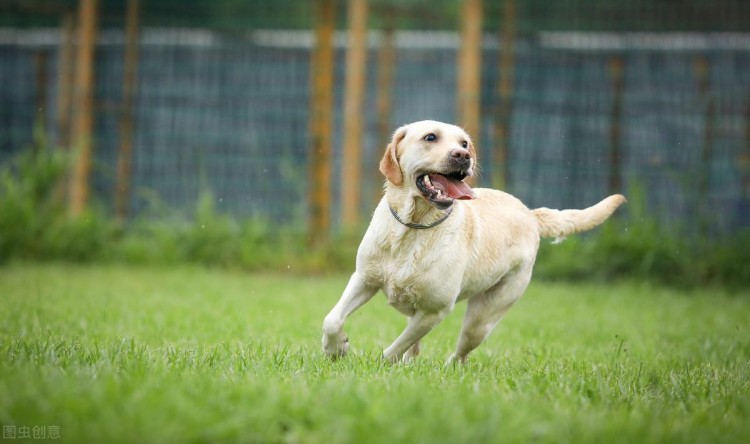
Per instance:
(134,354)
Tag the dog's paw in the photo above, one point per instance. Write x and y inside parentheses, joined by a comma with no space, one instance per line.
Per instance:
(335,346)
(390,359)
(454,359)
(411,353)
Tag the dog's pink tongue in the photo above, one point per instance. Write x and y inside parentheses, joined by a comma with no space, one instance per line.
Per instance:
(456,189)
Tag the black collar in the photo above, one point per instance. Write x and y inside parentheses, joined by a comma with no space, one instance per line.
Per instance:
(422,226)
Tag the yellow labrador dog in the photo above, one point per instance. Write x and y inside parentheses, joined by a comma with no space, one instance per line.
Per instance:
(434,241)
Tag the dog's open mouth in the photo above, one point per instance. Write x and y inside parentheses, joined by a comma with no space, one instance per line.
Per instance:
(442,189)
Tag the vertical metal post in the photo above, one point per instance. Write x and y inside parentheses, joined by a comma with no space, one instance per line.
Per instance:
(616,70)
(744,158)
(702,73)
(40,65)
(65,80)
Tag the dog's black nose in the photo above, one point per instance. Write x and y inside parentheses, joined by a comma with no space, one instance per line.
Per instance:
(460,156)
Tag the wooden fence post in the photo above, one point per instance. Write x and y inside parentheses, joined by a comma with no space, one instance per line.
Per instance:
(356,60)
(321,120)
(83,116)
(470,67)
(385,73)
(129,83)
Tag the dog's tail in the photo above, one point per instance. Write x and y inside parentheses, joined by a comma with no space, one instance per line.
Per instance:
(560,223)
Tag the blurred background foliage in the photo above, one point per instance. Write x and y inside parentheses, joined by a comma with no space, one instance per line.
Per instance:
(35,226)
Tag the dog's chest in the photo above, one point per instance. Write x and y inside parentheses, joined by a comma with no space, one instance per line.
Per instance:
(403,283)
(407,272)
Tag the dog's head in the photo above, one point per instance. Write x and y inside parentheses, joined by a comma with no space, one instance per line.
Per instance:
(432,159)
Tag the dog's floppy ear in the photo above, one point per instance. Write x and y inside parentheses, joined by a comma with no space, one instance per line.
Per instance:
(389,165)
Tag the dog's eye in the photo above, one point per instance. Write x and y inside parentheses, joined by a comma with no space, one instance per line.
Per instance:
(430,137)
(465,144)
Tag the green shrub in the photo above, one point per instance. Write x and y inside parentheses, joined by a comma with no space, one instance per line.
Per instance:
(633,245)
(34,222)
(212,238)
(27,201)
(35,225)
(81,238)
(729,262)
(623,249)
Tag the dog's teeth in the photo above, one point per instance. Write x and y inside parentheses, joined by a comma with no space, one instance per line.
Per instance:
(427,180)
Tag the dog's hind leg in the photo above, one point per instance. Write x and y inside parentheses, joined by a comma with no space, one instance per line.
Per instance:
(484,311)
(356,294)
(412,352)
(419,325)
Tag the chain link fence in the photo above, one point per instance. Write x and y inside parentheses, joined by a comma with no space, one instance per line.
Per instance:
(650,96)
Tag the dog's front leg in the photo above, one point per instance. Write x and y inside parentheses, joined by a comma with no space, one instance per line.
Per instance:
(419,325)
(356,294)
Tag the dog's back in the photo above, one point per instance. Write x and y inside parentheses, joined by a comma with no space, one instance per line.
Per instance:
(504,234)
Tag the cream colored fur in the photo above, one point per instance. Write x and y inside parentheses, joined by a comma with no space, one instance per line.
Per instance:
(484,252)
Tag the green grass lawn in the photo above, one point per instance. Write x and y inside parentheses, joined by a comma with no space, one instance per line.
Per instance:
(127,354)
